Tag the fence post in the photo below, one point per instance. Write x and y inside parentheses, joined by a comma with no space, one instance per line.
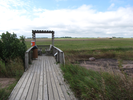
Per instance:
(53,50)
(61,57)
(29,56)
(26,61)
(58,56)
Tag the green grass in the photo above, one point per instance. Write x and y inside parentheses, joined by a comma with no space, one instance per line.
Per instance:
(93,85)
(86,44)
(13,69)
(5,92)
(75,49)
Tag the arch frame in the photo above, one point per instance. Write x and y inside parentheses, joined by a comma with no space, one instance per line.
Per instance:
(42,31)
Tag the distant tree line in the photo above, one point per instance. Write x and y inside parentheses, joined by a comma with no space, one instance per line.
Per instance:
(38,37)
(64,37)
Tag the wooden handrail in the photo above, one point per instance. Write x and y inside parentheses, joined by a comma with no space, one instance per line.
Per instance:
(42,45)
(59,55)
(28,58)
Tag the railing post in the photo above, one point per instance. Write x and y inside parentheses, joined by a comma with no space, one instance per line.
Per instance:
(61,57)
(53,49)
(58,56)
(26,61)
(53,38)
(29,56)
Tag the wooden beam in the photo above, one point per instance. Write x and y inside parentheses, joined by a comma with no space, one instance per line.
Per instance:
(42,31)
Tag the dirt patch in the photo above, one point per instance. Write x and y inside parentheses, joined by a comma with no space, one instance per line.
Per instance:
(108,65)
(4,82)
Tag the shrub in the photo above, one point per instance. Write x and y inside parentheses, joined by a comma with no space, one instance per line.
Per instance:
(11,46)
(12,51)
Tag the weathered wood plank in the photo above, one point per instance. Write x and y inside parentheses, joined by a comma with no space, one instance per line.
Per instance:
(35,91)
(42,81)
(23,86)
(31,88)
(16,89)
(58,85)
(60,55)
(23,97)
(72,97)
(55,92)
(40,92)
(27,58)
(50,91)
(65,92)
(45,89)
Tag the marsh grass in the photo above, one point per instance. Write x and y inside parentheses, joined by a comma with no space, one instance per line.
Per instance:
(5,92)
(14,68)
(93,85)
(115,53)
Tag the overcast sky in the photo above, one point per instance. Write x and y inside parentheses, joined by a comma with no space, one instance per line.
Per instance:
(75,18)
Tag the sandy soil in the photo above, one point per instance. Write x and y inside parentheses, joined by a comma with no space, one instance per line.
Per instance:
(108,65)
(4,82)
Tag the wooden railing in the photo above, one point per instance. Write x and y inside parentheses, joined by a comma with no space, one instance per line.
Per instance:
(59,55)
(28,58)
(42,45)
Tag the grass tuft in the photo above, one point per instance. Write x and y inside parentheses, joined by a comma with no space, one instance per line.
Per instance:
(89,84)
(5,92)
(14,68)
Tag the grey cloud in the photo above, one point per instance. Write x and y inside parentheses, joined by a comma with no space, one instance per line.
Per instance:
(84,22)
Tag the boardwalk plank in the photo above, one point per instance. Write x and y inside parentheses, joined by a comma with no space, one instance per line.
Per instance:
(35,91)
(16,89)
(61,82)
(55,92)
(23,86)
(41,80)
(50,91)
(45,89)
(23,97)
(31,88)
(72,97)
(58,85)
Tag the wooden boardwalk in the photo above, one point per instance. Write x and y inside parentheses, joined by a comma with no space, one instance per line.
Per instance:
(42,81)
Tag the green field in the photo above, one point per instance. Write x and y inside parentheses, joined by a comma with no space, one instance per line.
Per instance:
(89,84)
(87,44)
(84,48)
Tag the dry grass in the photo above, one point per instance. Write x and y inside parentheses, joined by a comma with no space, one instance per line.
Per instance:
(14,68)
(93,85)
